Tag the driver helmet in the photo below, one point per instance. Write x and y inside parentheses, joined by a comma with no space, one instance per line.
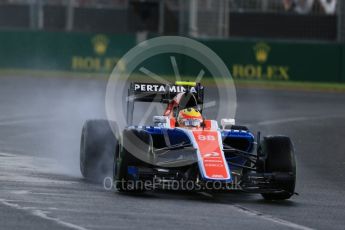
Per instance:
(189,117)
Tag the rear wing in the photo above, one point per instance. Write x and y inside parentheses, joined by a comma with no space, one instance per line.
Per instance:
(162,93)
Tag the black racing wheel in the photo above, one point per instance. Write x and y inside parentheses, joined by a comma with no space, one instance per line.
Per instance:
(280,159)
(97,148)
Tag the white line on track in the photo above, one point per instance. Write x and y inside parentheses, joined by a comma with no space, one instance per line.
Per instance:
(27,120)
(270,218)
(41,214)
(296,119)
(266,217)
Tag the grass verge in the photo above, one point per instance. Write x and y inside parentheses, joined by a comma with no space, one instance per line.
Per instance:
(261,84)
(292,85)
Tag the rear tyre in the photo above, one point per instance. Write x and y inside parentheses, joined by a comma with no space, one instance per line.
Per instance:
(97,148)
(280,158)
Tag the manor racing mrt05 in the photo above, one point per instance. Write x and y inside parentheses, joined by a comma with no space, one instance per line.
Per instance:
(184,148)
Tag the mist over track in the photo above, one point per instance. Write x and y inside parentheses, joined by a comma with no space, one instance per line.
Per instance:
(41,187)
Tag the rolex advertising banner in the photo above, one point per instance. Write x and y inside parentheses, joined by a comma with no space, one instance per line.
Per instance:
(246,59)
(81,52)
(264,60)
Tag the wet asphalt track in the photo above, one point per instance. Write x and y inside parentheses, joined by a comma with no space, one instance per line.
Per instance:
(41,188)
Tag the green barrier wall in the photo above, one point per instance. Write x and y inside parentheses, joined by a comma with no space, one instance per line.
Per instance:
(280,60)
(342,61)
(246,59)
(62,51)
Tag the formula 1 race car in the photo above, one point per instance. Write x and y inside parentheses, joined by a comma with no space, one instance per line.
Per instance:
(184,150)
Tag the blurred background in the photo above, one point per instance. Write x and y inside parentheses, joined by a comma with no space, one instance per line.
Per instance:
(298,40)
(294,19)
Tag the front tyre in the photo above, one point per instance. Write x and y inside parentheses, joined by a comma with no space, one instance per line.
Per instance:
(280,160)
(124,180)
